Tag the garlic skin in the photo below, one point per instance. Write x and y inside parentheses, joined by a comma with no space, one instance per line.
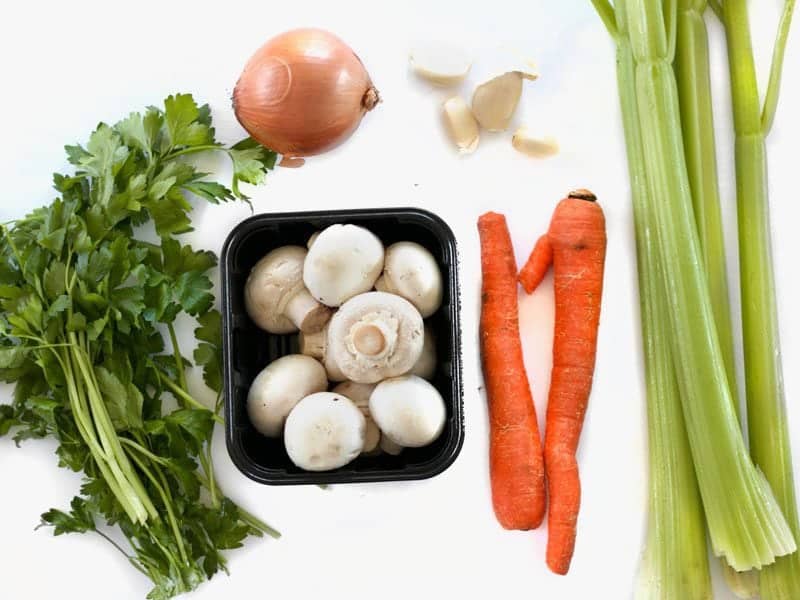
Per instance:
(538,147)
(461,125)
(440,63)
(494,101)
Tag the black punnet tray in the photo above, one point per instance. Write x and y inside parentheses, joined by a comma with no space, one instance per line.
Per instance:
(248,349)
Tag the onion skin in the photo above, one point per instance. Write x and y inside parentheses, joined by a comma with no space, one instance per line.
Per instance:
(303,93)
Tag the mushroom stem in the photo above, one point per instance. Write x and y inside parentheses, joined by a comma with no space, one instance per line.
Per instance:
(313,344)
(306,313)
(369,339)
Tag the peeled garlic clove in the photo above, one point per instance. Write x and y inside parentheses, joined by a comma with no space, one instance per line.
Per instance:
(494,102)
(440,63)
(461,124)
(538,147)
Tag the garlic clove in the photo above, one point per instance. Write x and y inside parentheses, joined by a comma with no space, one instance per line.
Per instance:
(440,63)
(461,124)
(539,147)
(494,101)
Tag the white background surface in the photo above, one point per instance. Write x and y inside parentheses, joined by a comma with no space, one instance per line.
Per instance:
(68,65)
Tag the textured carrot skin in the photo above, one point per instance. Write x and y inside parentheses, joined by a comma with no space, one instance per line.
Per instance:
(516,461)
(576,246)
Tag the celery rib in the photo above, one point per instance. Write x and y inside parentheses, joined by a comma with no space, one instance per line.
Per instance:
(675,560)
(767,422)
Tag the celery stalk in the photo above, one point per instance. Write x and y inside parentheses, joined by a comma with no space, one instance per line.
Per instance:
(745,524)
(769,432)
(692,73)
(675,560)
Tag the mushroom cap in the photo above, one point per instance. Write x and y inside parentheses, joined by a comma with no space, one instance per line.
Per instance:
(374,336)
(324,431)
(411,271)
(408,410)
(343,261)
(273,280)
(278,387)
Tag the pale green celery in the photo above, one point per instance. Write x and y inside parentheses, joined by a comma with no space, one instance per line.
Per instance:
(675,559)
(768,427)
(745,524)
(697,119)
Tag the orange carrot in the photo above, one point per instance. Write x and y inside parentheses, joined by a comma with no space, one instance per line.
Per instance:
(516,463)
(576,246)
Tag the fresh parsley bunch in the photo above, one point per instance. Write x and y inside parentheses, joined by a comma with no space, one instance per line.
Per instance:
(84,309)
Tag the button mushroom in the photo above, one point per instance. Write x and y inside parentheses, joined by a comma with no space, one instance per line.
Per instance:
(410,271)
(343,261)
(408,410)
(275,298)
(374,336)
(281,385)
(324,431)
(359,393)
(425,366)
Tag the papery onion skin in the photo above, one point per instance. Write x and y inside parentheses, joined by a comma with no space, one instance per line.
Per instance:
(303,93)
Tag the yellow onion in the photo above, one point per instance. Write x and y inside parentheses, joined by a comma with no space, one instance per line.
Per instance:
(303,92)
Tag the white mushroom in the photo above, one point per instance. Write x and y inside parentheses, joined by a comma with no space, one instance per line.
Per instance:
(312,239)
(374,336)
(278,387)
(324,431)
(410,271)
(343,261)
(359,393)
(389,446)
(440,63)
(426,364)
(409,410)
(275,298)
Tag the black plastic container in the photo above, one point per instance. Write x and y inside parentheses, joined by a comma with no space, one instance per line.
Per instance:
(248,349)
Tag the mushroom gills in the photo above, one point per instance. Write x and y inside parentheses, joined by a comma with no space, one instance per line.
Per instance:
(374,336)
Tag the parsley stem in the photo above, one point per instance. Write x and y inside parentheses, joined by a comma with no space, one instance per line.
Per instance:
(176,351)
(185,396)
(83,423)
(144,451)
(130,558)
(776,70)
(118,462)
(258,524)
(193,150)
(163,491)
